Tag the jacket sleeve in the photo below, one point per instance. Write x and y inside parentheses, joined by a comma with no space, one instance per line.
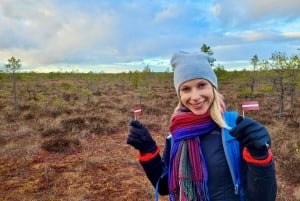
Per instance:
(156,169)
(261,182)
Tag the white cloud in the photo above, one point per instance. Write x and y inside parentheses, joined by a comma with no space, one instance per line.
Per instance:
(295,35)
(170,12)
(216,9)
(51,33)
(252,35)
(91,34)
(251,12)
(259,9)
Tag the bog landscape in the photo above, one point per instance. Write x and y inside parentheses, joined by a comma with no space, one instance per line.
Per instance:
(63,135)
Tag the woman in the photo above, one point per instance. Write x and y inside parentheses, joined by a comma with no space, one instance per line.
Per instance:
(195,165)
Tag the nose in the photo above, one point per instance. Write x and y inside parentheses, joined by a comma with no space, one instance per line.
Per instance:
(195,94)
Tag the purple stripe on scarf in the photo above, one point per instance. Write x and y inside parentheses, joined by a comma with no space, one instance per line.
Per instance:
(192,131)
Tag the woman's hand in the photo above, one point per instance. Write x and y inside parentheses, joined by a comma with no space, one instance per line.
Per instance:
(253,135)
(140,138)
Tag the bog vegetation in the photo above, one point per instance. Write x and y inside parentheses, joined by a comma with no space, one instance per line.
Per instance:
(67,139)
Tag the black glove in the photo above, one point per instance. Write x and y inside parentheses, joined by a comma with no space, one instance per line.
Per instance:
(140,138)
(253,135)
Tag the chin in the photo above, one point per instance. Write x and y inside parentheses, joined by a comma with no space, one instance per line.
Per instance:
(199,112)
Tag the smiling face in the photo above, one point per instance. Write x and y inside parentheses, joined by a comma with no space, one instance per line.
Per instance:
(197,95)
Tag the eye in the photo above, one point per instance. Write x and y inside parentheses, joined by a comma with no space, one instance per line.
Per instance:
(201,85)
(185,89)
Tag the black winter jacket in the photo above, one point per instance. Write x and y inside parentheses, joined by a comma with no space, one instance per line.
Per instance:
(259,181)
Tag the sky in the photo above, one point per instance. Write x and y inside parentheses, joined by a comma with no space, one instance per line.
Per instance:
(126,35)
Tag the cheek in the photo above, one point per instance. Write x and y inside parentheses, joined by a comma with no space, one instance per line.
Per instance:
(183,101)
(211,99)
(183,97)
(210,94)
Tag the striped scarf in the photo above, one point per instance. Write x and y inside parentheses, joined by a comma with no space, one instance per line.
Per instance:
(187,170)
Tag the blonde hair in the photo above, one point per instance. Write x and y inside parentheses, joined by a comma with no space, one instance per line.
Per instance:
(216,109)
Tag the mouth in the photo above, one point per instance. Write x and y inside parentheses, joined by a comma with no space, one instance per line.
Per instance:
(198,105)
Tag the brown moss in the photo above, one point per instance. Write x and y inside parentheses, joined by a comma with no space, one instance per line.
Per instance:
(61,145)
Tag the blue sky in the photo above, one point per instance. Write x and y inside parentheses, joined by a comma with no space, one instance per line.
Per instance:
(123,35)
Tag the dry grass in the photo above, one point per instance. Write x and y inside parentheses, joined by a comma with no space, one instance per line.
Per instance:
(68,142)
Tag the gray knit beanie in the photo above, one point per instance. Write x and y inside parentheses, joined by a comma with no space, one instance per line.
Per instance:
(189,66)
